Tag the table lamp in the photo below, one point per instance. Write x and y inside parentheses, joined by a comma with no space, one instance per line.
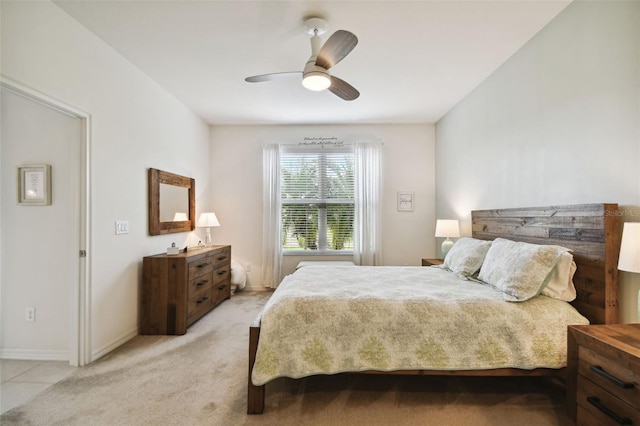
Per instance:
(449,229)
(207,220)
(629,259)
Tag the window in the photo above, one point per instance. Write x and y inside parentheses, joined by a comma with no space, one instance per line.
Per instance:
(317,200)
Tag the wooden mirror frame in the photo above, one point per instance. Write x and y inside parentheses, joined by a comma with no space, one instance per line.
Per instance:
(156,177)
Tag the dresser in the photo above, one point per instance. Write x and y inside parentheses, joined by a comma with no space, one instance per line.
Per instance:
(603,381)
(178,290)
(432,261)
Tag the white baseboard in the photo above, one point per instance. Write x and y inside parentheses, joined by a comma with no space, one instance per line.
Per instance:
(255,288)
(35,354)
(113,345)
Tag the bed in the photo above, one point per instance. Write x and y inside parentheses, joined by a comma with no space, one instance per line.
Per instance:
(424,317)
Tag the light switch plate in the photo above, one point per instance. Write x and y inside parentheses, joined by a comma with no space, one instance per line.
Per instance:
(122,227)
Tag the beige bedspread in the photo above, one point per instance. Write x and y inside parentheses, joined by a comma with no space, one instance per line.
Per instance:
(326,320)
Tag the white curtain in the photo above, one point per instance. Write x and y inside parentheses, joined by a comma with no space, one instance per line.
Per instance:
(366,226)
(271,220)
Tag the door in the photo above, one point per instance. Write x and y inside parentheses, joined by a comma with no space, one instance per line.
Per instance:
(41,272)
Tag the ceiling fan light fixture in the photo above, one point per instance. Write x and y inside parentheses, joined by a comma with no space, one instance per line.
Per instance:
(316,75)
(316,81)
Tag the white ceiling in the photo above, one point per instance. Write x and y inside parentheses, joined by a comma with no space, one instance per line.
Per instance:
(414,61)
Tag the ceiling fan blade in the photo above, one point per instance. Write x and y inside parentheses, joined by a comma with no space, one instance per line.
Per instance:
(336,48)
(343,89)
(273,76)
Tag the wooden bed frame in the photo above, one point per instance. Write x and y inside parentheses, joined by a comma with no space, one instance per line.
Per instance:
(592,231)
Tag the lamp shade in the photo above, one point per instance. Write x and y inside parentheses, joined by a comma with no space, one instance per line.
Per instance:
(180,217)
(630,248)
(447,228)
(207,220)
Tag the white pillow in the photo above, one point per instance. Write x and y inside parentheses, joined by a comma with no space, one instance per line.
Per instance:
(519,270)
(560,284)
(466,256)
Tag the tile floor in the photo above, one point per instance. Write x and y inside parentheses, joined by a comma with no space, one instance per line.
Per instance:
(23,379)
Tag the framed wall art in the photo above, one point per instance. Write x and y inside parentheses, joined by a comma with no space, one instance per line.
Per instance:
(34,185)
(405,201)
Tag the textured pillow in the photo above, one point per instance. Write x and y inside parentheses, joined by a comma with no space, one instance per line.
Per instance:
(519,270)
(466,256)
(560,284)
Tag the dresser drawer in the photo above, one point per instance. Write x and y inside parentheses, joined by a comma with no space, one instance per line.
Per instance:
(602,407)
(222,256)
(610,375)
(201,266)
(221,292)
(585,418)
(199,305)
(222,274)
(198,284)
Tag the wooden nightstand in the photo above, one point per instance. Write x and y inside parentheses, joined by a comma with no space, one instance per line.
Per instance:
(603,381)
(430,262)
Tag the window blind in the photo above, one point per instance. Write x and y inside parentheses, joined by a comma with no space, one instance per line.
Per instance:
(317,198)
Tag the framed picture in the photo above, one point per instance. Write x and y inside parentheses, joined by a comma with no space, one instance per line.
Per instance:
(405,201)
(34,185)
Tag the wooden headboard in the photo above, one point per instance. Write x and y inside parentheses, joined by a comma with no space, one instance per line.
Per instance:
(590,230)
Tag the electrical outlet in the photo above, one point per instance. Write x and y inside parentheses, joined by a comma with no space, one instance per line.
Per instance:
(247,267)
(30,314)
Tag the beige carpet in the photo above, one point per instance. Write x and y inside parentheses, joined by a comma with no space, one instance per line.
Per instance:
(200,379)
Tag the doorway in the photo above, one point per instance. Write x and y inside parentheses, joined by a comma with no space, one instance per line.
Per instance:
(44,268)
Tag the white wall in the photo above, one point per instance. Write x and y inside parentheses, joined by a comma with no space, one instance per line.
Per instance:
(558,123)
(236,190)
(135,125)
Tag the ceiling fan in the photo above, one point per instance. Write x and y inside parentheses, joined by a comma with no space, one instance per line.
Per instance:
(315,75)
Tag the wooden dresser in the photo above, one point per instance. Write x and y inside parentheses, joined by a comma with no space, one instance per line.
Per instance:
(178,290)
(603,382)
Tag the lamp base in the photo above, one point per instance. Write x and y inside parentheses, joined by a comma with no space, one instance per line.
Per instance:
(446,246)
(207,238)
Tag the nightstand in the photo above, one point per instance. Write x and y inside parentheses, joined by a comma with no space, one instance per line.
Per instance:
(430,262)
(603,374)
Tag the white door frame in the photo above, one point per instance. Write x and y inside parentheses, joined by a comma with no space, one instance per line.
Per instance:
(80,342)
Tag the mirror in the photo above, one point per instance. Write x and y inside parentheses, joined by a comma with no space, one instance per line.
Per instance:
(172,206)
(174,203)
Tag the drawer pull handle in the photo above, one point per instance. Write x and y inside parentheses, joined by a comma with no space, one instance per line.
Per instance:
(204,299)
(595,401)
(222,287)
(600,372)
(202,265)
(201,283)
(222,257)
(222,272)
